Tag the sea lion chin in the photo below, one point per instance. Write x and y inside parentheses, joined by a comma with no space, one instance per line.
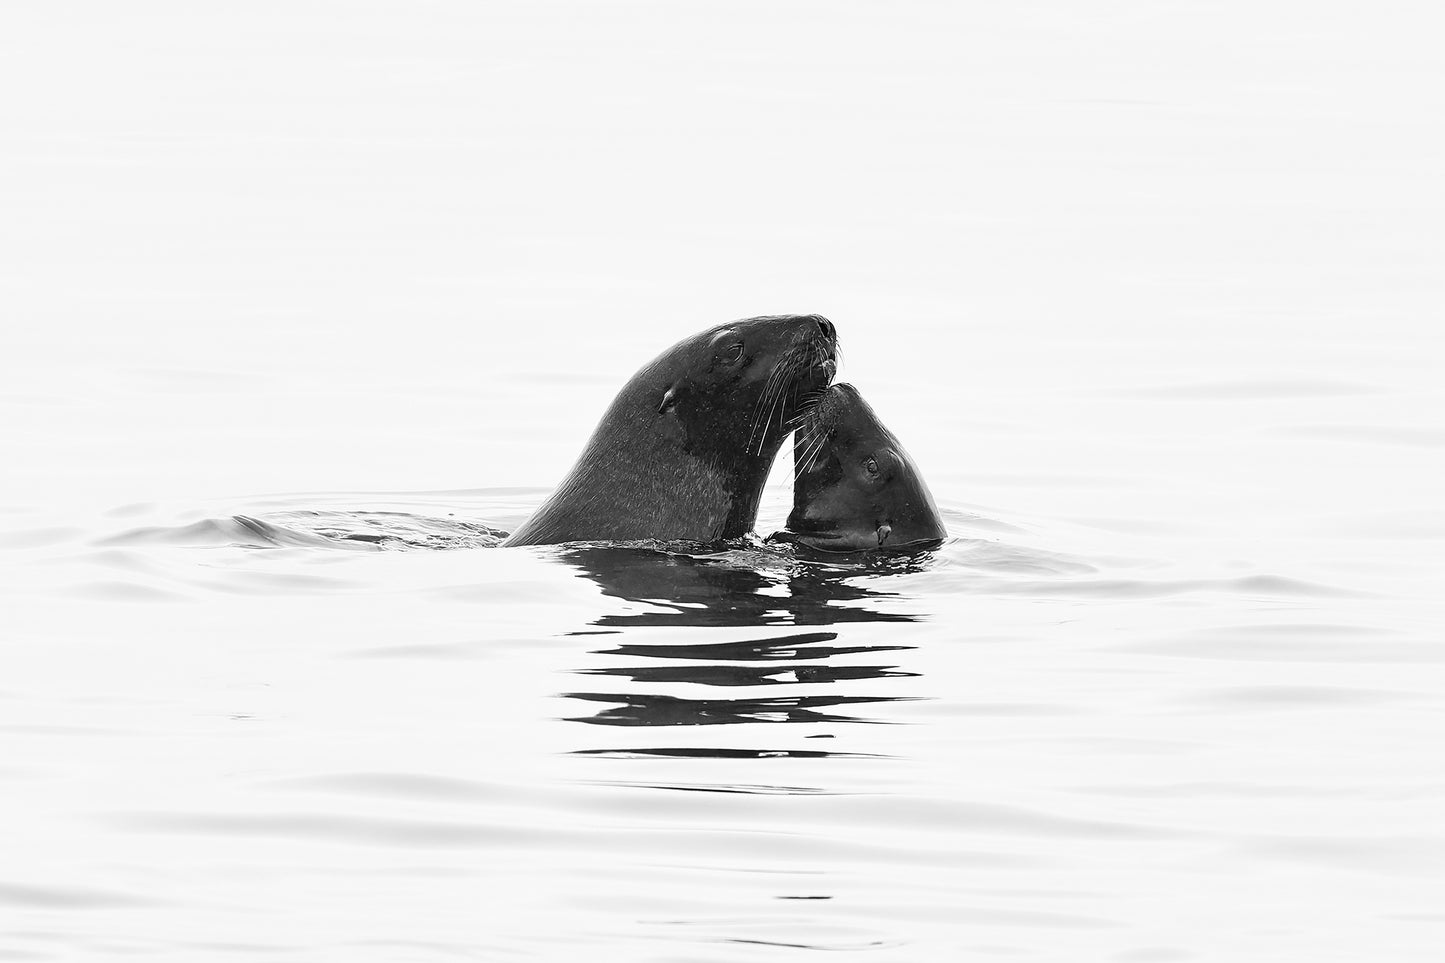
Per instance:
(854,487)
(685,447)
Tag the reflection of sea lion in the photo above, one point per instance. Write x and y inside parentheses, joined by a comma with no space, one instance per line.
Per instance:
(730,624)
(854,487)
(684,449)
(729,590)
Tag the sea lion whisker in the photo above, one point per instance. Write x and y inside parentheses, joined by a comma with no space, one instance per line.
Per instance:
(768,387)
(766,403)
(807,401)
(795,422)
(824,436)
(814,447)
(813,428)
(768,420)
(811,455)
(787,399)
(800,457)
(791,404)
(779,384)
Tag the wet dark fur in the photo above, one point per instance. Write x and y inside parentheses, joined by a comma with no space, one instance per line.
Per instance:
(685,447)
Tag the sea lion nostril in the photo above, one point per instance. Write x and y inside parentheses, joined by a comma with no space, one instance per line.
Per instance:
(826,327)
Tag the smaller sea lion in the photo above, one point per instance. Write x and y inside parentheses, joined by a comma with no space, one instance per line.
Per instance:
(854,487)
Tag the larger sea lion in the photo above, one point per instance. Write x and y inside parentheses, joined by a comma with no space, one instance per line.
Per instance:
(854,487)
(685,448)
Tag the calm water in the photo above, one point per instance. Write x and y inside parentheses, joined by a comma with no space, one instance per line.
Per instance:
(1153,300)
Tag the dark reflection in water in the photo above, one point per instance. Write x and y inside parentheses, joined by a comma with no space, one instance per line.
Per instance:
(742,588)
(750,675)
(716,603)
(663,751)
(798,645)
(639,709)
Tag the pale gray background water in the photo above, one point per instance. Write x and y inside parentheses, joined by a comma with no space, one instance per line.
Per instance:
(1150,291)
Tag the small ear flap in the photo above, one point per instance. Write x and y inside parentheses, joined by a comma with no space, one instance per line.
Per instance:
(883,532)
(669,400)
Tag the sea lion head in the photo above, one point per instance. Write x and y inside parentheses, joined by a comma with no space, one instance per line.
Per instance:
(739,388)
(854,487)
(685,447)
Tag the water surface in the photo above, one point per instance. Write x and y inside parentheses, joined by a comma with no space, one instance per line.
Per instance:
(301,310)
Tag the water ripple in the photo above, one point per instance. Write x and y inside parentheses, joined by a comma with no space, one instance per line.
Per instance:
(66,897)
(333,827)
(1369,434)
(1293,643)
(427,788)
(1268,697)
(1262,389)
(1388,855)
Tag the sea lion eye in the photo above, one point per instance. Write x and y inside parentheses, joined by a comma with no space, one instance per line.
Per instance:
(732,352)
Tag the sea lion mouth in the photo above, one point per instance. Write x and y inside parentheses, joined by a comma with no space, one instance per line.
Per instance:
(822,352)
(819,357)
(824,372)
(798,379)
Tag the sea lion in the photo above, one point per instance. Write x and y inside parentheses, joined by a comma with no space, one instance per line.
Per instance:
(685,448)
(854,487)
